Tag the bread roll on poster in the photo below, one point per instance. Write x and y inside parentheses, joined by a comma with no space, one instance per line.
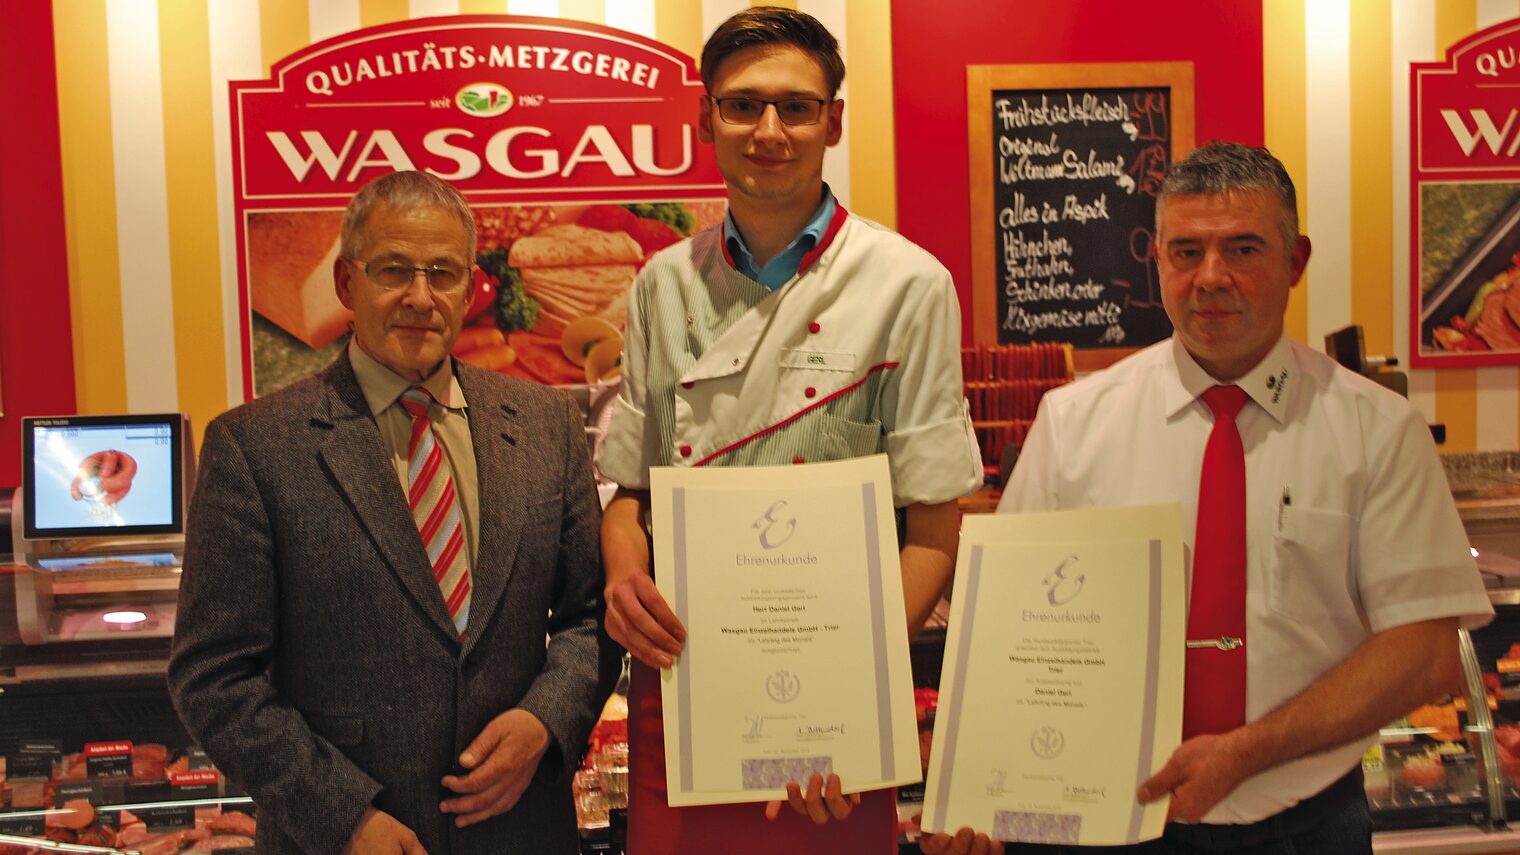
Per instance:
(290,260)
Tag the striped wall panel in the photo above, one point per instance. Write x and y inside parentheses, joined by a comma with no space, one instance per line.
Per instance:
(148,202)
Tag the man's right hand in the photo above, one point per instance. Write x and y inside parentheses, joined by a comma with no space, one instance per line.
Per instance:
(379,833)
(963,842)
(639,619)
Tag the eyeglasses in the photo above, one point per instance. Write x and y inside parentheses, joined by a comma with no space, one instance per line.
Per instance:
(390,275)
(748,111)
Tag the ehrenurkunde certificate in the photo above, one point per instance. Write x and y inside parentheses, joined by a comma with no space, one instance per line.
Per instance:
(796,658)
(1062,684)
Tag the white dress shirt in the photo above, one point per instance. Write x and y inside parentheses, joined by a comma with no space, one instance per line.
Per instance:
(1350,526)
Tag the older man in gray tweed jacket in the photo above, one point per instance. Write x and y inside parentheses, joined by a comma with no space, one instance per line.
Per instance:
(375,557)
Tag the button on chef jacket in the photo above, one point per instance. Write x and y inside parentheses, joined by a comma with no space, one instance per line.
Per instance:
(856,353)
(1350,527)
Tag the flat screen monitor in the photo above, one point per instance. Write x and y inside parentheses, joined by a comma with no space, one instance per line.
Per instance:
(103,476)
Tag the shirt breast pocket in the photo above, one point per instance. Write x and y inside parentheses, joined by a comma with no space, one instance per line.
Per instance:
(1309,575)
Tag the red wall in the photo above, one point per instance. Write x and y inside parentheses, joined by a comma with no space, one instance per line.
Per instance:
(36,346)
(932,43)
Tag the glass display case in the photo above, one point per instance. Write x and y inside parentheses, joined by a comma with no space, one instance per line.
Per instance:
(92,755)
(1443,778)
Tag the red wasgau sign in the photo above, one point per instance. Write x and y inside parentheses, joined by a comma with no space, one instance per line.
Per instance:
(1465,203)
(575,144)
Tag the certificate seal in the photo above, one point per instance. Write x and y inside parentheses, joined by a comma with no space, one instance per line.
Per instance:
(783,687)
(1047,742)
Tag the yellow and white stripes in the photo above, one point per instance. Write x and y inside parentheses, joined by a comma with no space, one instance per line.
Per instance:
(1412,23)
(1327,173)
(148,179)
(330,18)
(86,144)
(1337,107)
(142,229)
(235,54)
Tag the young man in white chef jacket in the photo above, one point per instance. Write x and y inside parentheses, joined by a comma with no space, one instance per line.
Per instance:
(795,332)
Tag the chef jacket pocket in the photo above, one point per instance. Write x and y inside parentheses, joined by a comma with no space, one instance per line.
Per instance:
(1308,577)
(815,437)
(343,731)
(846,438)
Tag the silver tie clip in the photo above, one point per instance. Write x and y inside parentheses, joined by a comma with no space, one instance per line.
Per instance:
(1226,643)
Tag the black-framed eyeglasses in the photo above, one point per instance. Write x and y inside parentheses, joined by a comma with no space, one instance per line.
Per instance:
(791,111)
(391,274)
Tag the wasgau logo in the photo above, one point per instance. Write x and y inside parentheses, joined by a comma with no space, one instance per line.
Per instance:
(484,100)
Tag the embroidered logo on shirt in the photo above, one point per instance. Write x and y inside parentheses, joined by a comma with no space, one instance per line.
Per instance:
(1278,385)
(818,360)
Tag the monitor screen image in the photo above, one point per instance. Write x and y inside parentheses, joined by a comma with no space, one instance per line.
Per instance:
(102,476)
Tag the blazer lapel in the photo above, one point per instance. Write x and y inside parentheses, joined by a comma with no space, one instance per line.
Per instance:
(355,456)
(501,449)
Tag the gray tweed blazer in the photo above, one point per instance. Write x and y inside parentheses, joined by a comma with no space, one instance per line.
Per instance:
(313,657)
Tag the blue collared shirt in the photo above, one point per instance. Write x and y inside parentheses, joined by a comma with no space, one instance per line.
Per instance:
(784,266)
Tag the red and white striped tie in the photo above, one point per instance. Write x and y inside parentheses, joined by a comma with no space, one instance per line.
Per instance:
(430,490)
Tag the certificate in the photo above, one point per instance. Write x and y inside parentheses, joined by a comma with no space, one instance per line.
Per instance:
(796,657)
(1062,684)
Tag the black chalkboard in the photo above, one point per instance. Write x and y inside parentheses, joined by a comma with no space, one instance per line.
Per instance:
(1068,216)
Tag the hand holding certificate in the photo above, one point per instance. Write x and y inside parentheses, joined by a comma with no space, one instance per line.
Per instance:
(1062,684)
(796,656)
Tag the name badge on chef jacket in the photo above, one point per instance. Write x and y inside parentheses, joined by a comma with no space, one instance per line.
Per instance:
(798,358)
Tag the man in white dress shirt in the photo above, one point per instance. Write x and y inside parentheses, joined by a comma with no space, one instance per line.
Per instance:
(1357,571)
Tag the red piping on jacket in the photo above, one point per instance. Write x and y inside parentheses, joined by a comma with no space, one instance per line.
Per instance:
(836,222)
(797,415)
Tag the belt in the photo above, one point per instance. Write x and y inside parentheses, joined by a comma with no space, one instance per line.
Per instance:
(1347,790)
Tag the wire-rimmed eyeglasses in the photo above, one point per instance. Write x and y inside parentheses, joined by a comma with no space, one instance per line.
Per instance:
(392,274)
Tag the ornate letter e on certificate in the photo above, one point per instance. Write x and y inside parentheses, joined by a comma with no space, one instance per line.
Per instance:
(1062,685)
(796,657)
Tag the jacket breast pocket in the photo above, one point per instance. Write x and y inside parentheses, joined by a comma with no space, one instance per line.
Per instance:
(1309,578)
(817,437)
(544,510)
(343,731)
(848,438)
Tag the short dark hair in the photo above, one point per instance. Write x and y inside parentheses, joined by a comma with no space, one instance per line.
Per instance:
(1223,167)
(408,189)
(773,25)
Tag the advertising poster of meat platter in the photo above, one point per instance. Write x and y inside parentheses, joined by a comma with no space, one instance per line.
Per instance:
(1465,203)
(575,144)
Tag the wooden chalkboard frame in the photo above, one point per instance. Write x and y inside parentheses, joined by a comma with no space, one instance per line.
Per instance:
(981,82)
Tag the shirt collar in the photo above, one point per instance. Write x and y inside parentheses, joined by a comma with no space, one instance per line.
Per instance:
(1267,384)
(382,386)
(795,251)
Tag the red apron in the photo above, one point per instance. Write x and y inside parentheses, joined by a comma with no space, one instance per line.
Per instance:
(656,828)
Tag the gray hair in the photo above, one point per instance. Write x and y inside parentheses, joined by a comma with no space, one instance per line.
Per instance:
(403,190)
(1224,167)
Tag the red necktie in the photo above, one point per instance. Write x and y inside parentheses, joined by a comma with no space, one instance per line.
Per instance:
(430,491)
(1214,695)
